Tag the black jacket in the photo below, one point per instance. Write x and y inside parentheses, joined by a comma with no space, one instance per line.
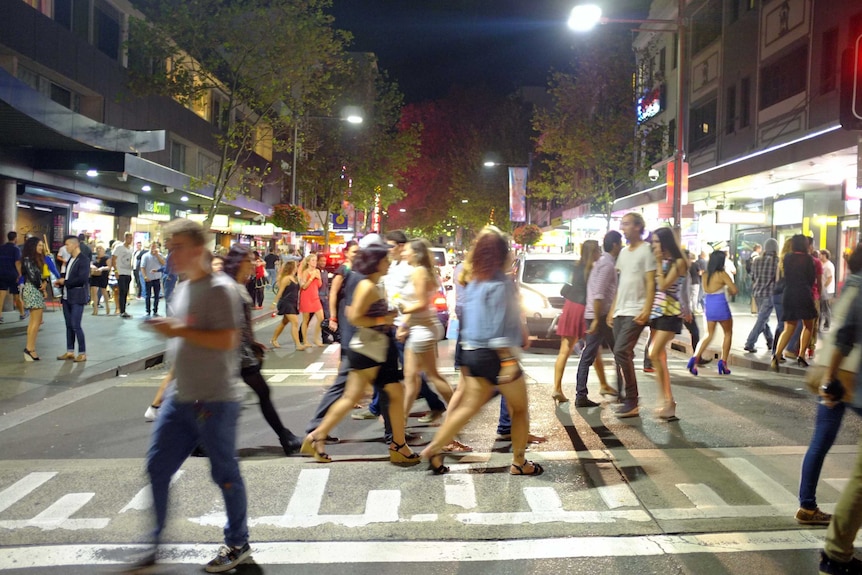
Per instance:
(32,272)
(77,286)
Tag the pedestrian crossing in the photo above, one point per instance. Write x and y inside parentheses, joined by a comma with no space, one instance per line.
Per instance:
(354,493)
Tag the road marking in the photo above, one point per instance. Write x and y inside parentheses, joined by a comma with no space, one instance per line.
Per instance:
(613,490)
(770,490)
(22,488)
(277,378)
(314,367)
(460,491)
(701,496)
(838,484)
(143,500)
(57,516)
(360,552)
(308,493)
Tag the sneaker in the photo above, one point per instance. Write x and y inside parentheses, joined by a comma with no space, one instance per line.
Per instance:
(155,314)
(585,402)
(812,517)
(24,315)
(125,316)
(628,409)
(750,349)
(431,417)
(362,414)
(151,413)
(829,566)
(141,564)
(228,558)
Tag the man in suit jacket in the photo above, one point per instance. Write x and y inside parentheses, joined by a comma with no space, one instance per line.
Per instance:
(76,294)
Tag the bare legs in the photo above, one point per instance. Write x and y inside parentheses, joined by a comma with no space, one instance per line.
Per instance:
(567,344)
(33,330)
(658,357)
(727,328)
(293,320)
(416,363)
(789,328)
(306,321)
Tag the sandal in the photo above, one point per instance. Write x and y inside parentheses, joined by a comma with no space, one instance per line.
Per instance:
(437,469)
(398,458)
(537,469)
(456,446)
(308,449)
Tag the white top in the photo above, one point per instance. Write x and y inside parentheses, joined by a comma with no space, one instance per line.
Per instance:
(124,259)
(409,298)
(64,253)
(829,272)
(394,282)
(632,265)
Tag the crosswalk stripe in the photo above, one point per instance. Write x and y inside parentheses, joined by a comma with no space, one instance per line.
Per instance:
(23,487)
(461,491)
(143,499)
(838,484)
(701,495)
(770,490)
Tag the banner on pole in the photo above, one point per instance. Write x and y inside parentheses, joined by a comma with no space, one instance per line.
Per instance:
(518,194)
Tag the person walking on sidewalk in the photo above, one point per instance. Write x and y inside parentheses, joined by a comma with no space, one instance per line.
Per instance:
(287,305)
(717,311)
(800,276)
(309,299)
(571,326)
(10,274)
(33,292)
(76,293)
(203,406)
(828,293)
(121,261)
(136,258)
(99,276)
(601,289)
(151,268)
(764,269)
(631,308)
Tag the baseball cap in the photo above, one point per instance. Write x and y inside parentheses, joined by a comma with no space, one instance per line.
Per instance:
(372,240)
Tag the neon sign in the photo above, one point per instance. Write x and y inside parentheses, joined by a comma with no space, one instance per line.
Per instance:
(650,105)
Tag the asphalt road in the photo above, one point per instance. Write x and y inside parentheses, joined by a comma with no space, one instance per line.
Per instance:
(711,493)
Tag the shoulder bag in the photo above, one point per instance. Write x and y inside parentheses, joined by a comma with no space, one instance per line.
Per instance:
(370,343)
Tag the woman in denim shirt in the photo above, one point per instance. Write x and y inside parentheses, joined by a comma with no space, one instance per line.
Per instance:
(491,340)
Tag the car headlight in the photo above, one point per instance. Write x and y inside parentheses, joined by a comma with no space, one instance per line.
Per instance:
(531,300)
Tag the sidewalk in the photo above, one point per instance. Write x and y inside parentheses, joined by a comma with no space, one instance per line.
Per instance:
(743,322)
(115,346)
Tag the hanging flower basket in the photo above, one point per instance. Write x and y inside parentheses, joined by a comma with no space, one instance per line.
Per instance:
(290,217)
(527,235)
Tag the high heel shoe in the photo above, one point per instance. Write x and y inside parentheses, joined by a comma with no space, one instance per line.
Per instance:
(608,390)
(437,469)
(773,365)
(668,412)
(401,460)
(274,344)
(559,397)
(308,449)
(30,356)
(691,366)
(722,368)
(800,361)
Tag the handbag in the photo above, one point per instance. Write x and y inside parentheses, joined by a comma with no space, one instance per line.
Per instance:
(568,292)
(370,343)
(665,306)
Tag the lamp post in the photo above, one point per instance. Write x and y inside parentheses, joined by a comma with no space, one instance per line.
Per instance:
(585,17)
(350,119)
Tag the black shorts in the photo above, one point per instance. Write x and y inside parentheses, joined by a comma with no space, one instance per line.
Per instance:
(482,363)
(671,323)
(389,372)
(10,285)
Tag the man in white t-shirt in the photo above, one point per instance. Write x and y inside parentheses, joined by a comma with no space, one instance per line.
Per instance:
(121,260)
(828,291)
(631,308)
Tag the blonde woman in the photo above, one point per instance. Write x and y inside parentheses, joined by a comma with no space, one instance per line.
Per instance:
(309,298)
(287,304)
(421,327)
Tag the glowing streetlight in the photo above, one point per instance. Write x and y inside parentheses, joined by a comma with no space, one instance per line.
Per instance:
(585,17)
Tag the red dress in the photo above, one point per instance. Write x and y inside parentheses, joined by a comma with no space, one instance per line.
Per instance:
(572,322)
(309,298)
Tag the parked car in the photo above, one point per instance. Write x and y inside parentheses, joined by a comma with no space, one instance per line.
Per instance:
(441,259)
(332,261)
(540,278)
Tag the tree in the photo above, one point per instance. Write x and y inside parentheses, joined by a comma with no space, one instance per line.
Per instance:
(250,67)
(586,144)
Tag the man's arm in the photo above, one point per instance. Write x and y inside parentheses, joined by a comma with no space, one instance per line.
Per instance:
(218,339)
(649,284)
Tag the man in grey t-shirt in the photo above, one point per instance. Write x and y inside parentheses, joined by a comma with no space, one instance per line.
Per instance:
(121,260)
(202,407)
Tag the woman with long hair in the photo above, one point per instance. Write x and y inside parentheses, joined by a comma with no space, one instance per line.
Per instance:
(33,292)
(491,342)
(421,328)
(239,264)
(798,299)
(666,316)
(309,298)
(368,309)
(716,310)
(572,326)
(339,280)
(287,304)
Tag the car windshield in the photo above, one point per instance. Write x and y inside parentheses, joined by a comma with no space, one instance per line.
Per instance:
(547,271)
(439,258)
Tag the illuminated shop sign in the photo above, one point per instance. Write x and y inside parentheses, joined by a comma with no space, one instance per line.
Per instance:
(650,104)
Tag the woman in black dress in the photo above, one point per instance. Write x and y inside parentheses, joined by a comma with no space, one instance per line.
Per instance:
(287,304)
(797,268)
(100,274)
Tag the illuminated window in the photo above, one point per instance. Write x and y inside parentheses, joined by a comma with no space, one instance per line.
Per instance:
(263,141)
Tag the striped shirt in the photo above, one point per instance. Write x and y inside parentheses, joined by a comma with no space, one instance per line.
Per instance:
(602,284)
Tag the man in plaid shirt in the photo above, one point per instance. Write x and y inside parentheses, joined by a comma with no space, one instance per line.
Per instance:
(763,270)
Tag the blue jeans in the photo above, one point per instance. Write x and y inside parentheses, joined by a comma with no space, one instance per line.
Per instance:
(826,427)
(592,348)
(72,314)
(179,428)
(761,324)
(153,288)
(170,284)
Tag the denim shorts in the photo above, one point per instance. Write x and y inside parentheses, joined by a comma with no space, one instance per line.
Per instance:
(482,363)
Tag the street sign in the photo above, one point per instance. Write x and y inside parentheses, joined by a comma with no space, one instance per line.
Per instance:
(850,113)
(339,222)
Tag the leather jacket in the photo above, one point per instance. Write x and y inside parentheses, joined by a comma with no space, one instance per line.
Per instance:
(32,273)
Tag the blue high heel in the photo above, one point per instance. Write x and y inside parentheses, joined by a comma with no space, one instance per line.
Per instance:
(692,365)
(722,368)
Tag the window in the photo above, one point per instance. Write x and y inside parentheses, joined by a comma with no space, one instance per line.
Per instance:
(829,61)
(745,102)
(783,78)
(65,97)
(263,141)
(734,10)
(730,110)
(662,61)
(106,33)
(207,167)
(706,26)
(178,156)
(220,112)
(702,130)
(671,134)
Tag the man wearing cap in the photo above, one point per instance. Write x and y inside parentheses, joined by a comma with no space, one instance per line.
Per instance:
(763,270)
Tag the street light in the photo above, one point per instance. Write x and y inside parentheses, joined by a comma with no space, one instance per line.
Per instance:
(350,118)
(585,17)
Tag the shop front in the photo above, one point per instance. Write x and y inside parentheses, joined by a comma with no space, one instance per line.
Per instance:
(146,226)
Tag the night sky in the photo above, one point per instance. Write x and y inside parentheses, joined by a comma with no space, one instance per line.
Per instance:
(427,46)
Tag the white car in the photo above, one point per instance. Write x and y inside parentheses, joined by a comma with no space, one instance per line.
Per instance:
(540,277)
(441,260)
